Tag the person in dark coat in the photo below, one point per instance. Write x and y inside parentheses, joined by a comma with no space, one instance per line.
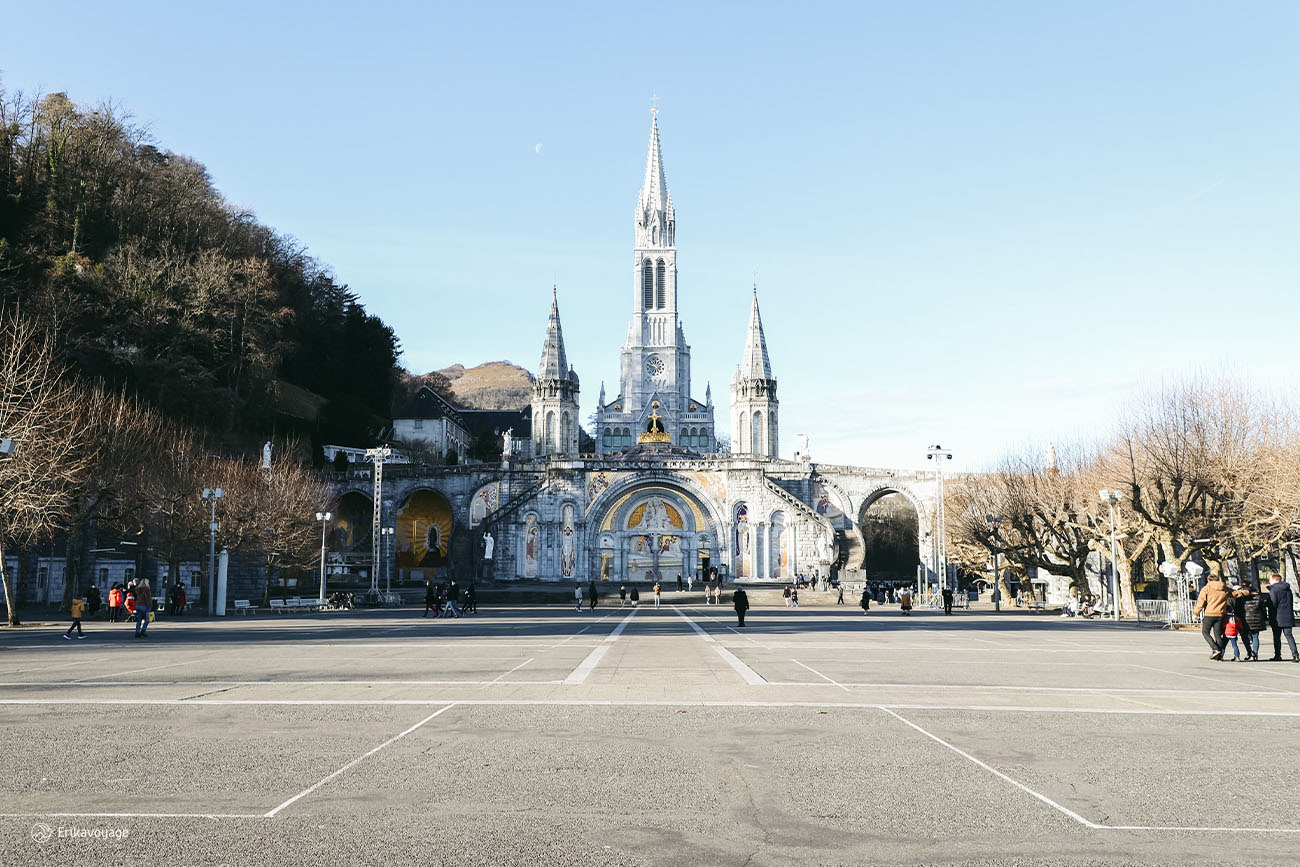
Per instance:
(430,598)
(741,601)
(1282,611)
(591,593)
(1251,608)
(92,601)
(947,600)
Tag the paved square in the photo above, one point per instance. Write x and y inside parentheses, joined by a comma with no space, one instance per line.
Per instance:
(546,736)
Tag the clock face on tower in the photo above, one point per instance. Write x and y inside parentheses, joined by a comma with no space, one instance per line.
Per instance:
(654,368)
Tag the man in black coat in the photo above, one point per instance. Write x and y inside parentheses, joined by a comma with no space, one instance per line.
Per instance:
(1251,608)
(741,601)
(1283,616)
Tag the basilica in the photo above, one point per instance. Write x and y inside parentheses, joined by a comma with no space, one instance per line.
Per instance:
(655,497)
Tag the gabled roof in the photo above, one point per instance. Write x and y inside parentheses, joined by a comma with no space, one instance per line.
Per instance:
(428,404)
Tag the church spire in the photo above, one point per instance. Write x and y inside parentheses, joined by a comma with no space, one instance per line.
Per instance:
(554,365)
(655,220)
(754,363)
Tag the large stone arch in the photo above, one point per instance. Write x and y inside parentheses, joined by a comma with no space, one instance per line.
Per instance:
(610,513)
(918,503)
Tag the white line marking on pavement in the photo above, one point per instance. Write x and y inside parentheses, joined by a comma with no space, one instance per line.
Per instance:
(579,674)
(307,791)
(137,815)
(510,702)
(822,676)
(748,674)
(511,671)
(138,670)
(995,772)
(1272,690)
(751,677)
(1075,816)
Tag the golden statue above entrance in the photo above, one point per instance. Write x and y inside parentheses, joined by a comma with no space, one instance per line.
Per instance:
(654,430)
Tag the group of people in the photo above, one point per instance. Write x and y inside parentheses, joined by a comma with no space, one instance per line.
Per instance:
(132,599)
(1239,614)
(445,600)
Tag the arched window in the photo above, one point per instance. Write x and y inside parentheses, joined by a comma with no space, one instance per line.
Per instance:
(659,284)
(647,284)
(771,434)
(550,432)
(756,434)
(607,439)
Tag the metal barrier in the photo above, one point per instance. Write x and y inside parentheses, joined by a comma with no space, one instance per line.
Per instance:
(1155,609)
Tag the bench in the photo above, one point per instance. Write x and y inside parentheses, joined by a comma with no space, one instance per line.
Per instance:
(243,606)
(277,606)
(1038,605)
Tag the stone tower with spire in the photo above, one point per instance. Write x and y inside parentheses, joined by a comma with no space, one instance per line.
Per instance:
(555,396)
(655,364)
(754,428)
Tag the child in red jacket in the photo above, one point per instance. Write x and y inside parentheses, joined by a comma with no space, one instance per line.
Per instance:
(1230,633)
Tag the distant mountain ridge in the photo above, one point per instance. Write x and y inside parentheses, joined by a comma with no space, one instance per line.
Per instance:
(493,385)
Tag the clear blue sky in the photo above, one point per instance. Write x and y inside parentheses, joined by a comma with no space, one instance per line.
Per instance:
(982,224)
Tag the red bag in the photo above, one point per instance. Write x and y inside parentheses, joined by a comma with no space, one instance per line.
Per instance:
(1230,629)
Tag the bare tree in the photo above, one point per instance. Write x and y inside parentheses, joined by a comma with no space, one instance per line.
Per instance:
(41,414)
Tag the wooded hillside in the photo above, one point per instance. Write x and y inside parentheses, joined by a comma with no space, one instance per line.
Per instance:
(150,280)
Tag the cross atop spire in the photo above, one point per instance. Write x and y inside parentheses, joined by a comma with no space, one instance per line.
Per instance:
(654,105)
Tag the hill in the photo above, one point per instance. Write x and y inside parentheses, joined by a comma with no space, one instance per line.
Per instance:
(493,385)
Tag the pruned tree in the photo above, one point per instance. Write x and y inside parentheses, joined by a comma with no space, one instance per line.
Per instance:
(41,413)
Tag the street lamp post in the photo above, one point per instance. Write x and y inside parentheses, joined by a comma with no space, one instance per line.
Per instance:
(212,495)
(1113,499)
(386,538)
(324,518)
(939,454)
(993,521)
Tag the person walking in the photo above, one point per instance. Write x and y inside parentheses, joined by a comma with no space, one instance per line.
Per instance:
(591,593)
(865,601)
(947,600)
(1251,608)
(577,597)
(794,598)
(786,594)
(634,596)
(143,608)
(1230,636)
(430,598)
(1215,599)
(656,592)
(622,595)
(680,585)
(690,582)
(115,603)
(740,600)
(77,608)
(181,599)
(905,601)
(93,602)
(839,600)
(1282,616)
(471,599)
(453,599)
